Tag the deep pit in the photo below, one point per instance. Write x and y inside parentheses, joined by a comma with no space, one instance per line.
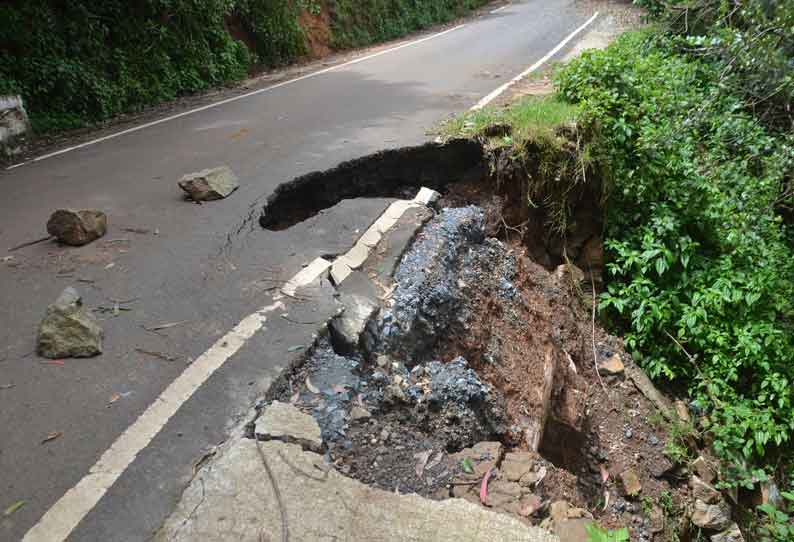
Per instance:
(475,349)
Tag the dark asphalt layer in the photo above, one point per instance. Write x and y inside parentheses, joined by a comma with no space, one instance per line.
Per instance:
(192,271)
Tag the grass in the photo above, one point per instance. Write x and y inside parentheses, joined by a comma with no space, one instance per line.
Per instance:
(531,119)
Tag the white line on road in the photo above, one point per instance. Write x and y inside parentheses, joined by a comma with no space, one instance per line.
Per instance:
(75,504)
(496,93)
(240,97)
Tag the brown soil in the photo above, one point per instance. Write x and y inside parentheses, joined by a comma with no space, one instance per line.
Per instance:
(317,28)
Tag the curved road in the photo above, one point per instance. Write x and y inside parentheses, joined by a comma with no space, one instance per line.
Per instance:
(170,261)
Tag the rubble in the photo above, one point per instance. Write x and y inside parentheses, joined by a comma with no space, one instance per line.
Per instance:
(631,483)
(731,534)
(68,330)
(352,331)
(714,517)
(280,421)
(704,470)
(77,228)
(704,491)
(209,184)
(612,366)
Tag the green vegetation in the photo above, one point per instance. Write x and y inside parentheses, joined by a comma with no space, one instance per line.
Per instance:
(535,120)
(597,534)
(777,525)
(81,62)
(688,128)
(360,22)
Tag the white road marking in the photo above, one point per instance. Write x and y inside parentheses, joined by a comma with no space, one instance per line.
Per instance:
(305,276)
(75,504)
(497,10)
(496,93)
(240,97)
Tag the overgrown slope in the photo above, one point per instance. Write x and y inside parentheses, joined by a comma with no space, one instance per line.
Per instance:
(84,61)
(689,129)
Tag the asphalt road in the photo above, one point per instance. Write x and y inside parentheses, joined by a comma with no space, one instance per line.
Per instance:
(189,269)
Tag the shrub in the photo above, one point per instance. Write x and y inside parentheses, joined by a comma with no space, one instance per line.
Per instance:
(700,264)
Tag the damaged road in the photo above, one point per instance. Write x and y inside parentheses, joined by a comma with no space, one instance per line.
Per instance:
(458,371)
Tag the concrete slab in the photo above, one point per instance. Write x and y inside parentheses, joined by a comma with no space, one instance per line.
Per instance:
(234,499)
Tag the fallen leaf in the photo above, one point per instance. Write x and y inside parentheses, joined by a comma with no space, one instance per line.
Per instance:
(113,398)
(54,362)
(421,462)
(14,507)
(467,467)
(52,436)
(310,386)
(484,487)
(295,348)
(110,265)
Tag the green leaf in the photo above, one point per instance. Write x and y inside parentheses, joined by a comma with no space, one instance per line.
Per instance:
(14,507)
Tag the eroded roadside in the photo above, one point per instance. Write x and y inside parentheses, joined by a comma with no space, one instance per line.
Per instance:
(464,365)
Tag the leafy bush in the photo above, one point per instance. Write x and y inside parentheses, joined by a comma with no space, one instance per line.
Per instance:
(700,264)
(84,61)
(360,22)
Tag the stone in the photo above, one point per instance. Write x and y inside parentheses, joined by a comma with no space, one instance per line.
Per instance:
(715,517)
(703,491)
(574,513)
(559,511)
(483,456)
(611,367)
(234,501)
(568,273)
(359,413)
(68,330)
(77,228)
(209,184)
(529,504)
(656,519)
(14,125)
(354,329)
(573,530)
(505,488)
(731,534)
(282,421)
(682,411)
(516,465)
(631,483)
(529,479)
(704,470)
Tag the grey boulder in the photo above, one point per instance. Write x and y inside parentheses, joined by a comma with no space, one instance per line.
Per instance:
(714,517)
(77,228)
(68,330)
(209,184)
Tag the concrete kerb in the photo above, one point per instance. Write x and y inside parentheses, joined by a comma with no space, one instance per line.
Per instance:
(354,258)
